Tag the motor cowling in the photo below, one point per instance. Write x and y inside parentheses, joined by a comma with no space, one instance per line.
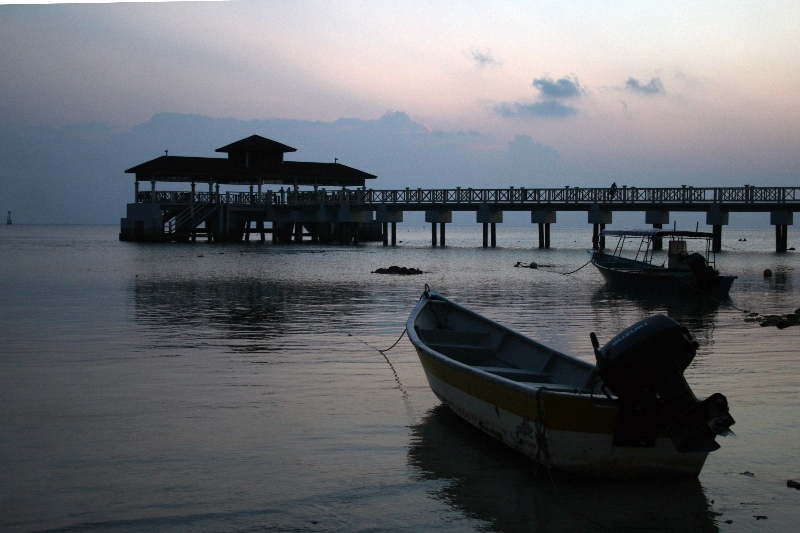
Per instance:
(643,366)
(705,273)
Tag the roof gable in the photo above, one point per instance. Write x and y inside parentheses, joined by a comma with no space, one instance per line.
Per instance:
(256,143)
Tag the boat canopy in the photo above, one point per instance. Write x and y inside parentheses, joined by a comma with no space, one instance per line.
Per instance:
(655,233)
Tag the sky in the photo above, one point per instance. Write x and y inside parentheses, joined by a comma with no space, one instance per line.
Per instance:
(490,93)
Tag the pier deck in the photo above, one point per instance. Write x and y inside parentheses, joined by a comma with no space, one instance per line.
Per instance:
(325,214)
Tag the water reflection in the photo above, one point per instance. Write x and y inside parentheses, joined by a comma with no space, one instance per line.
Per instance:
(245,312)
(485,480)
(695,311)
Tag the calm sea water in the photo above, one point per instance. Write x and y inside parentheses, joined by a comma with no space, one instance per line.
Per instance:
(231,388)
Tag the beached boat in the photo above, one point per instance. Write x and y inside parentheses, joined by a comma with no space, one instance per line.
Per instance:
(631,415)
(682,270)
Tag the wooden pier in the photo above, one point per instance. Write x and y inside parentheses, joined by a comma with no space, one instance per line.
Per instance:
(322,215)
(334,212)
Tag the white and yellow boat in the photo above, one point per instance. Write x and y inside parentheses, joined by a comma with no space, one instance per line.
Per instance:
(631,415)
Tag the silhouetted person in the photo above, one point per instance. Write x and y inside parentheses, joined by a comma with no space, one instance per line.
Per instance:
(613,189)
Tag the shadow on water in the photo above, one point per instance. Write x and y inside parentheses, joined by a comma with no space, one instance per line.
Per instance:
(487,481)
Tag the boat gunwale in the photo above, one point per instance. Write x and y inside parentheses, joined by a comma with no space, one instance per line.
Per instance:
(530,390)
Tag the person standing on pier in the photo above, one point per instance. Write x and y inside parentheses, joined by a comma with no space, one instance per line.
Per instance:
(613,189)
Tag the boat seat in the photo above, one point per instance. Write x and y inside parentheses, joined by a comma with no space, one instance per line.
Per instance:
(454,338)
(516,374)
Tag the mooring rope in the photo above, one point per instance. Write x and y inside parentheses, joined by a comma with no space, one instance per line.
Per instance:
(712,297)
(568,273)
(382,352)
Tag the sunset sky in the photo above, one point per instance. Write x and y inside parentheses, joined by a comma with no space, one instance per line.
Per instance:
(686,91)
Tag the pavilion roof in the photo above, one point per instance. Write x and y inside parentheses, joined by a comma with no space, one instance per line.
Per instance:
(228,171)
(256,143)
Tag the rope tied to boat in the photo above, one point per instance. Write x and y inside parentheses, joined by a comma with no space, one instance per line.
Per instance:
(712,297)
(568,273)
(383,353)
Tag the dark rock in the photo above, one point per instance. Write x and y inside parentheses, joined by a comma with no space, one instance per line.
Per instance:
(759,517)
(793,484)
(398,270)
(746,473)
(779,321)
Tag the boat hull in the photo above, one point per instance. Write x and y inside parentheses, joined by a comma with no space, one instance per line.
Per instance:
(566,431)
(661,281)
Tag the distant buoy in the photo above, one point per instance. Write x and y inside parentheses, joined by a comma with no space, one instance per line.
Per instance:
(767,273)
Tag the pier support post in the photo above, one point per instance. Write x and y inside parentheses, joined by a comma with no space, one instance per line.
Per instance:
(547,235)
(485,234)
(716,218)
(544,219)
(716,237)
(382,214)
(658,242)
(602,237)
(441,233)
(487,217)
(437,217)
(657,219)
(781,220)
(781,241)
(598,218)
(385,232)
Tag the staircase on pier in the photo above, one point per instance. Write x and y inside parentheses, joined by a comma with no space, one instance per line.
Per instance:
(181,226)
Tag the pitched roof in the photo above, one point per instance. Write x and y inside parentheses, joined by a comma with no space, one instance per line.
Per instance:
(176,165)
(256,143)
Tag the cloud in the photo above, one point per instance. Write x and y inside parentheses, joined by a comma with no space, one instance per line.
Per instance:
(654,87)
(546,109)
(562,88)
(483,57)
(525,154)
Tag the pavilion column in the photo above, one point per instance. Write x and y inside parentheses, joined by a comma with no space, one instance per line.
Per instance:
(136,191)
(153,191)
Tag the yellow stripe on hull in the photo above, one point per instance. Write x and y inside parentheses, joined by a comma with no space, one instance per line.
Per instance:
(576,433)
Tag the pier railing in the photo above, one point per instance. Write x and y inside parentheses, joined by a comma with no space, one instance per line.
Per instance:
(512,195)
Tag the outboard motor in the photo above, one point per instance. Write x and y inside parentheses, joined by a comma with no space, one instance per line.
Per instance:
(704,272)
(643,366)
